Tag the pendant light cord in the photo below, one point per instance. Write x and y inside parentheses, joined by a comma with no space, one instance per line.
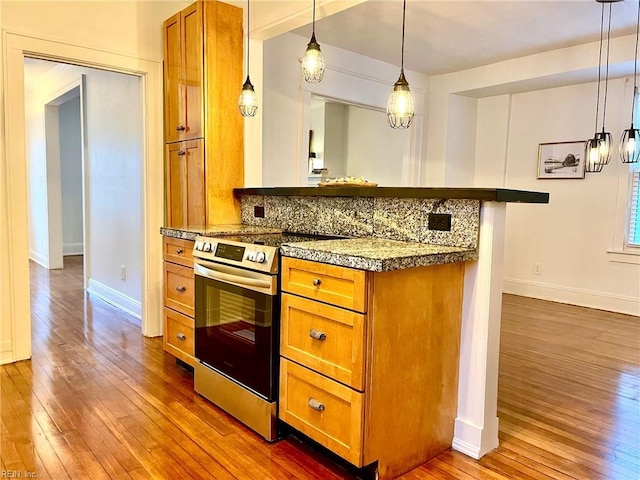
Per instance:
(313,22)
(606,77)
(247,38)
(599,68)
(404,10)
(635,67)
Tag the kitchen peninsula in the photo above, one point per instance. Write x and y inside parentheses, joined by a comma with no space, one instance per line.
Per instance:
(415,289)
(466,218)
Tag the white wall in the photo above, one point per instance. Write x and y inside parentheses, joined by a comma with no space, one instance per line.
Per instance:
(38,203)
(374,151)
(485,125)
(71,176)
(570,237)
(349,78)
(113,136)
(335,136)
(114,162)
(130,27)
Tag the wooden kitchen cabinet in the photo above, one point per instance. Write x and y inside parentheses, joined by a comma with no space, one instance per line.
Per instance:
(183,75)
(377,383)
(185,181)
(179,290)
(202,80)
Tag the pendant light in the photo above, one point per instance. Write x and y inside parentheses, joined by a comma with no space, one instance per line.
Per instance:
(248,101)
(598,147)
(400,104)
(312,62)
(630,139)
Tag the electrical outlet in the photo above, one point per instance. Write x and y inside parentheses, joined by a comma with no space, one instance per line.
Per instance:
(537,269)
(123,273)
(440,221)
(258,211)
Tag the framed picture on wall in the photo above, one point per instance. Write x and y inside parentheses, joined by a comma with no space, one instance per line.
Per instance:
(561,160)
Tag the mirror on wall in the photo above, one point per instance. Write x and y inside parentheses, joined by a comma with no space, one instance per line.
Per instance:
(352,140)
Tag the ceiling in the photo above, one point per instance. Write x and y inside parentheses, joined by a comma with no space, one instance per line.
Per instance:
(441,36)
(34,70)
(447,36)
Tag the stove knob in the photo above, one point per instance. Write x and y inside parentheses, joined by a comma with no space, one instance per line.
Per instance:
(199,245)
(207,247)
(251,255)
(261,257)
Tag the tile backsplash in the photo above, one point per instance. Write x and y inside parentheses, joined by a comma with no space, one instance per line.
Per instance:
(384,217)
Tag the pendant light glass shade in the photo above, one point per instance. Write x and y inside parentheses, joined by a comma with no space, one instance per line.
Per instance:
(630,145)
(248,100)
(597,150)
(630,139)
(313,62)
(400,107)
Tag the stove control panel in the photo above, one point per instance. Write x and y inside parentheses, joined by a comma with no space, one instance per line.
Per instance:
(255,257)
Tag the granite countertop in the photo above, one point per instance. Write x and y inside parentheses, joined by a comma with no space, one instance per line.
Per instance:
(191,232)
(368,253)
(376,254)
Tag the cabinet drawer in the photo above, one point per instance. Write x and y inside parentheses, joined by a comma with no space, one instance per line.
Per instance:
(177,250)
(178,335)
(327,339)
(179,288)
(341,286)
(328,412)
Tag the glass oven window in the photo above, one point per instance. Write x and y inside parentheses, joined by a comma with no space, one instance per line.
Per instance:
(234,333)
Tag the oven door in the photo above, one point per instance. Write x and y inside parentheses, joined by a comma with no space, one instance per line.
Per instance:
(236,324)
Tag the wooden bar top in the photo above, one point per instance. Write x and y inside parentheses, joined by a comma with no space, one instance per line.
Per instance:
(487,194)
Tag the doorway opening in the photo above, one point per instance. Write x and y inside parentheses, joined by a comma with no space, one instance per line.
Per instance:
(84,147)
(16,315)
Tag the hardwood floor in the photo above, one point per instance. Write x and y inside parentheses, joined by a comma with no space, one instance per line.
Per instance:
(100,401)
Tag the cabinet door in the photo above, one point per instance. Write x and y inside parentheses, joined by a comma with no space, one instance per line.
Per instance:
(185,192)
(172,67)
(192,68)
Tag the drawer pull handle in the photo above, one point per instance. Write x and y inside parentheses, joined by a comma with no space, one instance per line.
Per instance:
(181,288)
(181,128)
(179,251)
(316,282)
(181,336)
(181,152)
(318,335)
(316,405)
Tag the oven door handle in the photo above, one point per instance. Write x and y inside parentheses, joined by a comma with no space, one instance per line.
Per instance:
(251,280)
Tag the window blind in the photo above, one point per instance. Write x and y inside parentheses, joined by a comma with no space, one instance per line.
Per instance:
(634,211)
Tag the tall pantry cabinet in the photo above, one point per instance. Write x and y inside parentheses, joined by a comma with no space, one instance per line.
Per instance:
(204,147)
(203,129)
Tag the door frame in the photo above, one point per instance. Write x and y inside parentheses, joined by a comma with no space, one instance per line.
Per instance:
(16,47)
(54,217)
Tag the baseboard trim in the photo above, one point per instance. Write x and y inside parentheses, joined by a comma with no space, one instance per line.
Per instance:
(38,258)
(6,352)
(473,440)
(573,296)
(115,298)
(72,249)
